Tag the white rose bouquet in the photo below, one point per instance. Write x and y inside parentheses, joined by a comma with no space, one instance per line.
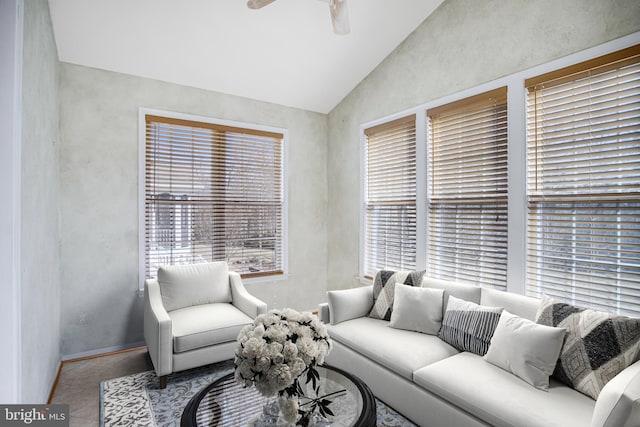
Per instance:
(277,349)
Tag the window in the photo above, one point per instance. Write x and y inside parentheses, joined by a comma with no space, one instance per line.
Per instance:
(467,190)
(583,125)
(537,195)
(212,192)
(390,196)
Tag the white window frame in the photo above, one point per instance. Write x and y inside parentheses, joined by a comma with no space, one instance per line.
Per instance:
(484,96)
(517,158)
(142,113)
(420,204)
(363,190)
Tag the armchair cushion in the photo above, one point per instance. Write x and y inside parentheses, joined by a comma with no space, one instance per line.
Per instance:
(206,325)
(189,285)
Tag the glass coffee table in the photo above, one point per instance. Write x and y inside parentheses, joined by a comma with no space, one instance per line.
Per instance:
(227,403)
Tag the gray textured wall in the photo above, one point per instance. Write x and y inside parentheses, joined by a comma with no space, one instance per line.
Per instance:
(462,44)
(99,199)
(40,250)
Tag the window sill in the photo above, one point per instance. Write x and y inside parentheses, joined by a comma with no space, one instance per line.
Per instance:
(365,280)
(266,278)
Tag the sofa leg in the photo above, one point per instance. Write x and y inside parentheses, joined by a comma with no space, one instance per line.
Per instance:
(163,381)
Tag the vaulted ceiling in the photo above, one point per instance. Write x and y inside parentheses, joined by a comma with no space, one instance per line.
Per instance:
(285,53)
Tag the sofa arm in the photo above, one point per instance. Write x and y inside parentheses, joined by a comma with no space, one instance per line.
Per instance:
(348,304)
(323,312)
(157,329)
(618,404)
(247,303)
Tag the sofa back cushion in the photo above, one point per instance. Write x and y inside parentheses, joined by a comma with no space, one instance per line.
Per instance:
(459,290)
(194,284)
(519,305)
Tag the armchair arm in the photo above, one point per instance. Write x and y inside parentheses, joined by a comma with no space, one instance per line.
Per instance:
(247,303)
(157,329)
(349,303)
(618,404)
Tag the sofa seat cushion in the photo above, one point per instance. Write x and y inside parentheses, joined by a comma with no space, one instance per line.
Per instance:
(398,350)
(502,399)
(205,325)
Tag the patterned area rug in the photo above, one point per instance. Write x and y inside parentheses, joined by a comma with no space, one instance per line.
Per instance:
(137,401)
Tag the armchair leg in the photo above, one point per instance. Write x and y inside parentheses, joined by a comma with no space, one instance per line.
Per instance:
(163,381)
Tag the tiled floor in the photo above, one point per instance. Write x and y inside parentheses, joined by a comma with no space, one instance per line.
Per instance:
(79,382)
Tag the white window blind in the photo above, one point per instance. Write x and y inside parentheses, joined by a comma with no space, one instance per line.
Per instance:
(213,193)
(584,183)
(467,229)
(390,196)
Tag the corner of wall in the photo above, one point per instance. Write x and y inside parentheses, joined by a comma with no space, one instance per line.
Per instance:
(40,282)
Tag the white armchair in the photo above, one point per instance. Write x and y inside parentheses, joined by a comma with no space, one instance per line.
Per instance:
(193,314)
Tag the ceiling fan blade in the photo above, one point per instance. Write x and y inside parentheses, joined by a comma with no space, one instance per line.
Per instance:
(339,16)
(257,4)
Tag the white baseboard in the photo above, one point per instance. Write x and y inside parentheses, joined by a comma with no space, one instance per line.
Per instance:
(103,350)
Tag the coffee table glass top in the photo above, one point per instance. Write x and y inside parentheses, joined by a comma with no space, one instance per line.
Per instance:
(227,403)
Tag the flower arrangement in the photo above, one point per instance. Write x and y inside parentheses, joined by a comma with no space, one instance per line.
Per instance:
(277,350)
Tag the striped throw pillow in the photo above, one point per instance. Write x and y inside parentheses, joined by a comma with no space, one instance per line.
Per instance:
(468,326)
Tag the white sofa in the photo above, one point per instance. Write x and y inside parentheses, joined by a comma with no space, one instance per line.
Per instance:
(433,384)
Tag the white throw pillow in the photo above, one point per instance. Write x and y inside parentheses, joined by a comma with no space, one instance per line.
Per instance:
(417,309)
(194,284)
(525,348)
